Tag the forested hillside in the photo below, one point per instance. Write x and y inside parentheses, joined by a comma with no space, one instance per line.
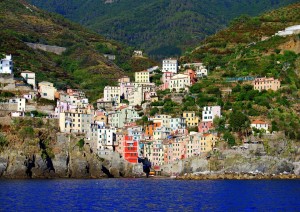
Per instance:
(160,27)
(82,65)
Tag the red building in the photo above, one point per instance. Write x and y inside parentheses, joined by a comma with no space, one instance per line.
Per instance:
(130,149)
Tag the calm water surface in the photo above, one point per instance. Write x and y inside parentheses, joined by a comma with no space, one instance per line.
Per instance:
(149,195)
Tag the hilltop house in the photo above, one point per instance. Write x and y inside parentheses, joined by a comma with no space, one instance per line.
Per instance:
(260,125)
(6,65)
(292,30)
(266,84)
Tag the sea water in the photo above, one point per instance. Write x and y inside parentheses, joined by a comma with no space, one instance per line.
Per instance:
(149,195)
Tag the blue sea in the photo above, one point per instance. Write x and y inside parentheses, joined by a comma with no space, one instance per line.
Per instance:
(149,195)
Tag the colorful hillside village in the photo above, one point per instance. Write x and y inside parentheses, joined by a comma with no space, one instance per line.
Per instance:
(116,123)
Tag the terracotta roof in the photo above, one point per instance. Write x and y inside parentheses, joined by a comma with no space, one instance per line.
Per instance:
(258,122)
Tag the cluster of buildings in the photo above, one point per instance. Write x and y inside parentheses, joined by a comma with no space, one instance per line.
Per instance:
(111,124)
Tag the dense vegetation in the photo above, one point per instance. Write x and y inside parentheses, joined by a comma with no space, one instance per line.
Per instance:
(162,28)
(82,65)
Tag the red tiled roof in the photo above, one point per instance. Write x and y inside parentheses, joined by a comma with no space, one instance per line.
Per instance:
(258,122)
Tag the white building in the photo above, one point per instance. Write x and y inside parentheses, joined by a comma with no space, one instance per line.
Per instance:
(47,90)
(29,77)
(138,53)
(164,120)
(201,72)
(179,82)
(177,123)
(76,121)
(20,102)
(260,125)
(122,116)
(137,96)
(161,133)
(6,65)
(292,30)
(210,112)
(106,138)
(112,93)
(170,65)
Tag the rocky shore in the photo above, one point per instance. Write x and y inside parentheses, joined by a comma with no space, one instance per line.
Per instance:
(238,176)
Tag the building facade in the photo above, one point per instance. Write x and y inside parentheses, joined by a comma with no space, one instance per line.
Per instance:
(170,65)
(266,84)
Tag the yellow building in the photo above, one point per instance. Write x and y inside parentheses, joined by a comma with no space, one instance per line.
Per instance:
(191,119)
(142,77)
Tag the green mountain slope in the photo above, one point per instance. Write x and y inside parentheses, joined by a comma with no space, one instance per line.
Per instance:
(82,65)
(248,48)
(160,27)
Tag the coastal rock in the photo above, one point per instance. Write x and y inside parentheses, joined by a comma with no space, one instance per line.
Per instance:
(3,165)
(285,166)
(296,168)
(60,163)
(16,167)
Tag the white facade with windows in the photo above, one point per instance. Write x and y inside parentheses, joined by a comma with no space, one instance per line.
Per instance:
(106,138)
(21,102)
(210,112)
(170,65)
(179,82)
(177,123)
(6,65)
(112,93)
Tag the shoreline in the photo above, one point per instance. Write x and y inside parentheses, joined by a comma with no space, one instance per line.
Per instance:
(231,176)
(228,176)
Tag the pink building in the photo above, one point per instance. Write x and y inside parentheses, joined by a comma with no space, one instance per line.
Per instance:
(125,89)
(204,127)
(166,79)
(168,152)
(266,84)
(179,148)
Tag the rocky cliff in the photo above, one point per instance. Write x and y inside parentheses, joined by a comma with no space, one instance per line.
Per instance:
(68,161)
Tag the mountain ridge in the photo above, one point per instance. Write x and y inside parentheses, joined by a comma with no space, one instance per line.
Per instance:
(161,28)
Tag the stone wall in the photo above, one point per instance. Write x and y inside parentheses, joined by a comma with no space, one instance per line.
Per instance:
(53,49)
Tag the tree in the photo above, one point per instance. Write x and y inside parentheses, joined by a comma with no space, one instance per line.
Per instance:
(3,141)
(26,132)
(219,123)
(229,138)
(238,121)
(153,111)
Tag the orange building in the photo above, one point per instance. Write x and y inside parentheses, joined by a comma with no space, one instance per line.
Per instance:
(150,128)
(192,75)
